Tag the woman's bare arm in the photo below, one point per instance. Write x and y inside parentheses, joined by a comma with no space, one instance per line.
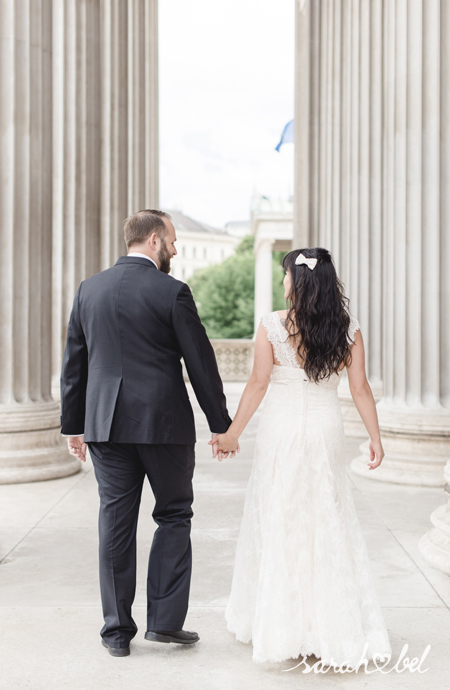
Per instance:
(363,399)
(252,396)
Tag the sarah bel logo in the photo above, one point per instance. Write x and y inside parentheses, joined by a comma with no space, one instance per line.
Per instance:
(412,665)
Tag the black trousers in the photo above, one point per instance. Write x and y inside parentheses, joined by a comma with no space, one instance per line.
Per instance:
(120,469)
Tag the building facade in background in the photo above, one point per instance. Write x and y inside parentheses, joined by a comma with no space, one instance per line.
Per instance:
(238,228)
(271,225)
(198,245)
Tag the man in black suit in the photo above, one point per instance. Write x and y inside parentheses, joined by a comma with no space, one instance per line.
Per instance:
(123,394)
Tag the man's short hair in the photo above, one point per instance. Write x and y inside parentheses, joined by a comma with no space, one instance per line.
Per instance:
(138,227)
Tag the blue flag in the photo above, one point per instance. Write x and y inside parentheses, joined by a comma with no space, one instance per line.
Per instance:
(288,135)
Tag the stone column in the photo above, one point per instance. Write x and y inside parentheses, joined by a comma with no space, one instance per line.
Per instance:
(324,173)
(349,227)
(114,124)
(31,447)
(105,156)
(129,123)
(435,544)
(76,160)
(338,183)
(414,412)
(302,126)
(142,104)
(362,246)
(263,279)
(79,136)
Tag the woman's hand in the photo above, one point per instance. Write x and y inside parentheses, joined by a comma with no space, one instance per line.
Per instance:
(376,454)
(224,445)
(255,390)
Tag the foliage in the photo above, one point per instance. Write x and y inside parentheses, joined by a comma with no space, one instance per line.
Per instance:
(278,288)
(225,293)
(247,245)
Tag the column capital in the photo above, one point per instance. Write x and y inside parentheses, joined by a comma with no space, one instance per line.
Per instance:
(263,244)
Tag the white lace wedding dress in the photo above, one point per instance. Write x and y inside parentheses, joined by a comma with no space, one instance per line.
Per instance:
(302,582)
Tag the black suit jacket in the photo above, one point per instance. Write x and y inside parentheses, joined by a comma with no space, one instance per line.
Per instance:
(121,376)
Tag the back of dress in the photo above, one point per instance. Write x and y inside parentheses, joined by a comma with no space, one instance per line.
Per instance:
(299,413)
(302,581)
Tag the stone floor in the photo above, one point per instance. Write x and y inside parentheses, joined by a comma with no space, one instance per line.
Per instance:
(49,596)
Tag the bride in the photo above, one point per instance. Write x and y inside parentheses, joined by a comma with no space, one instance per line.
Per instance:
(302,582)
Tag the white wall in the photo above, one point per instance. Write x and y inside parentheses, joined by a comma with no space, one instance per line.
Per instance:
(200,250)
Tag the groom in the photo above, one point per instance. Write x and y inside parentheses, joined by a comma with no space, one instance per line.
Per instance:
(123,394)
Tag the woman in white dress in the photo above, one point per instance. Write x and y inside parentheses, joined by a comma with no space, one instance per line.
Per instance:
(302,582)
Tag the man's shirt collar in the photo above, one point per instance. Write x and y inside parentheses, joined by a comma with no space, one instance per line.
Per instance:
(143,256)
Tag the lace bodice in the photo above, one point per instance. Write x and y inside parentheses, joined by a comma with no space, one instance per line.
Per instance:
(278,337)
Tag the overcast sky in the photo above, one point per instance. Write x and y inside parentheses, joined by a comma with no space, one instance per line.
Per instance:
(226,92)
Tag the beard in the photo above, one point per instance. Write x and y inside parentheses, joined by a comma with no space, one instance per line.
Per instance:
(164,257)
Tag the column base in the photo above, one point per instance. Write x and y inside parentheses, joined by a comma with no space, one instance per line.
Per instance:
(28,454)
(435,544)
(417,447)
(435,549)
(353,424)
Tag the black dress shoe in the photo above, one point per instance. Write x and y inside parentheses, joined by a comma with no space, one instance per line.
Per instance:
(179,636)
(116,651)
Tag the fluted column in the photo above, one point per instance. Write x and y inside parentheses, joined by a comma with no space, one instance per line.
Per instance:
(129,117)
(79,143)
(76,160)
(349,228)
(142,104)
(114,123)
(338,183)
(302,126)
(414,412)
(325,50)
(31,447)
(362,275)
(435,545)
(105,156)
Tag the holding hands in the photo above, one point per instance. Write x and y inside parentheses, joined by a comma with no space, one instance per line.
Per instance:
(77,447)
(224,445)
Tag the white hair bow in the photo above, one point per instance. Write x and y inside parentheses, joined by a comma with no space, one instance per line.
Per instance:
(311,263)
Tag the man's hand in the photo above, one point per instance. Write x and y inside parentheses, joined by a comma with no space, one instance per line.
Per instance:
(213,443)
(224,445)
(77,447)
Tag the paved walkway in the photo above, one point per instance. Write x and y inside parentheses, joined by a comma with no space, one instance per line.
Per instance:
(49,596)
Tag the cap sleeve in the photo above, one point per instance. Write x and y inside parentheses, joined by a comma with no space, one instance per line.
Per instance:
(354,326)
(272,327)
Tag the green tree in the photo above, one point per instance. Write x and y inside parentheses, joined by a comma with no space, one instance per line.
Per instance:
(225,293)
(247,245)
(278,276)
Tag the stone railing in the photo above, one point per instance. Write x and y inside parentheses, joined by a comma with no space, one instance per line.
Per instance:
(234,358)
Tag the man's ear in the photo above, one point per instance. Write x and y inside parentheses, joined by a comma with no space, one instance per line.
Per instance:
(154,241)
(150,241)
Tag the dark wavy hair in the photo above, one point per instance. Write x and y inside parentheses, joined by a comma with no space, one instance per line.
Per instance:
(318,314)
